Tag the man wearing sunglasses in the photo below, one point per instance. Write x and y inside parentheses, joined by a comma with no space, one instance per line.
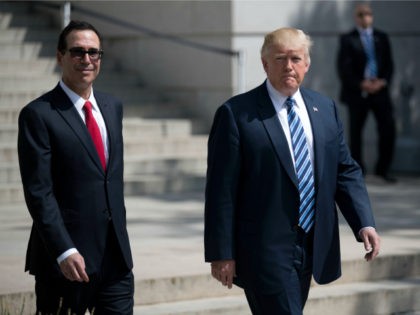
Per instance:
(71,161)
(365,68)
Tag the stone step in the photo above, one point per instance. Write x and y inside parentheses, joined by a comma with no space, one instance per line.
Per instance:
(12,35)
(136,96)
(24,85)
(164,290)
(19,14)
(134,166)
(166,165)
(9,173)
(229,305)
(136,128)
(384,267)
(13,99)
(26,51)
(11,193)
(109,79)
(136,147)
(9,115)
(143,185)
(155,184)
(10,108)
(165,146)
(134,185)
(384,297)
(133,128)
(139,128)
(129,93)
(8,151)
(153,175)
(29,68)
(24,34)
(158,110)
(192,294)
(8,132)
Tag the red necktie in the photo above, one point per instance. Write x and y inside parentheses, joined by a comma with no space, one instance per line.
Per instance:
(93,129)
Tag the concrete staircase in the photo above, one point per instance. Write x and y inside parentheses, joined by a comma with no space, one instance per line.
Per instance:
(161,154)
(389,287)
(171,278)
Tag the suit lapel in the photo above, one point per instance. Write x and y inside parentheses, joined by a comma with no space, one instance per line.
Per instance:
(378,48)
(66,109)
(275,131)
(110,128)
(315,116)
(357,42)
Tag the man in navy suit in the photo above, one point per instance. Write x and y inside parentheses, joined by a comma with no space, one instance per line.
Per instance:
(78,249)
(253,233)
(365,68)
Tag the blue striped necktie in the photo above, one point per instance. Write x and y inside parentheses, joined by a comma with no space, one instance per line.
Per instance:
(371,66)
(303,168)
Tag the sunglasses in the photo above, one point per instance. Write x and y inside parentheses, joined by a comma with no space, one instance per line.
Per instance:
(79,53)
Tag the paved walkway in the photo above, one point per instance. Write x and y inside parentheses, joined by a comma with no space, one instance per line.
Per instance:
(166,232)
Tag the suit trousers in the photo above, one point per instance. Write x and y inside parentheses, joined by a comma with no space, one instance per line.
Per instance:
(382,110)
(292,298)
(111,291)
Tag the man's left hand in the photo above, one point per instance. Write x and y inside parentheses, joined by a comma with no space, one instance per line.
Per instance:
(372,242)
(224,271)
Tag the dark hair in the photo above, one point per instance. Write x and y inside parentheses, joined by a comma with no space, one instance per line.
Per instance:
(72,26)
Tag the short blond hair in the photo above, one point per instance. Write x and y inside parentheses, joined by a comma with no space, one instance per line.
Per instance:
(288,37)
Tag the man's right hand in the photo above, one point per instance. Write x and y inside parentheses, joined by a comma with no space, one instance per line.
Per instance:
(73,268)
(373,86)
(224,271)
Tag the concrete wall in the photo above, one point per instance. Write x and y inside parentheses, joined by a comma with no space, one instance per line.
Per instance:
(204,80)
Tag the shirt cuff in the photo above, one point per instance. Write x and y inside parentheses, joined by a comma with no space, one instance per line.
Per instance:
(66,254)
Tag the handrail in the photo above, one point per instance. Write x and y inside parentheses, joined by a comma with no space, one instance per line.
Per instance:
(238,54)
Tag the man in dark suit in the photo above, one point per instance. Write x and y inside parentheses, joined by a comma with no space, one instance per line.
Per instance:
(71,161)
(258,233)
(365,68)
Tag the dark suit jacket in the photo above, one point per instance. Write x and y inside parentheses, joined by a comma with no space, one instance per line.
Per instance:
(252,199)
(68,194)
(351,62)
